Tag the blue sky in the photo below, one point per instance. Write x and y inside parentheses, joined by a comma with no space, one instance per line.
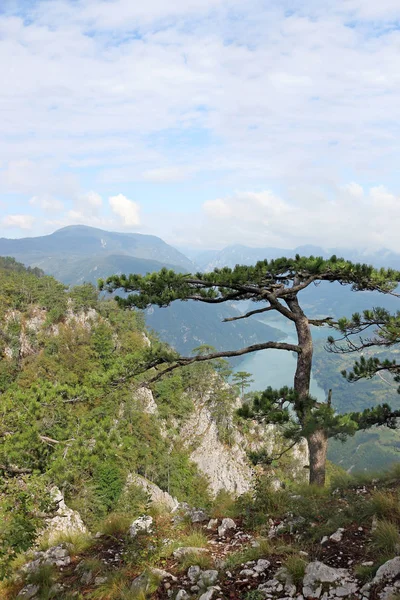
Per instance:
(207,122)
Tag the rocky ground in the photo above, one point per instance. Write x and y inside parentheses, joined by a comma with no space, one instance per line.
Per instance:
(187,554)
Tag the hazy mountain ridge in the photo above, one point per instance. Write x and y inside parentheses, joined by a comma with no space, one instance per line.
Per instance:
(77,241)
(240,254)
(81,254)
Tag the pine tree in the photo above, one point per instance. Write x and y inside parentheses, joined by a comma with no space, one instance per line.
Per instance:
(275,285)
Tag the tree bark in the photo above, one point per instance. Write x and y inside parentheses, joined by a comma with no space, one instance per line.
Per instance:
(317,448)
(318,440)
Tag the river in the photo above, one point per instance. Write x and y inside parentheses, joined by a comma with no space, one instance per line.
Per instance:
(277,367)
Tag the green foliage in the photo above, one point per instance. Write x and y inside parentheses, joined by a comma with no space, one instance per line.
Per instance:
(201,559)
(242,379)
(296,567)
(21,503)
(108,483)
(386,539)
(263,549)
(70,413)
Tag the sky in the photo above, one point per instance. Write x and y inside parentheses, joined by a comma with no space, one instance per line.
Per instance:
(206,122)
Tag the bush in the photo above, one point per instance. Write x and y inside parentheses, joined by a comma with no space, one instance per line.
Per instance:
(108,484)
(296,567)
(386,539)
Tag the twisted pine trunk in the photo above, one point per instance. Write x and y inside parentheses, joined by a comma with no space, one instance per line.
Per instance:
(317,441)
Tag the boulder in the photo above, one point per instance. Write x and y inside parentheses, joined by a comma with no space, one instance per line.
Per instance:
(156,494)
(143,524)
(226,525)
(57,556)
(389,570)
(66,521)
(28,592)
(319,576)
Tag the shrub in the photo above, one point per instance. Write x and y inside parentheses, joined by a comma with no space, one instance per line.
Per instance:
(296,567)
(386,538)
(115,524)
(201,559)
(108,484)
(386,505)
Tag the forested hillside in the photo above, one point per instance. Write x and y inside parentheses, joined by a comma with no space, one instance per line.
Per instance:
(66,418)
(73,416)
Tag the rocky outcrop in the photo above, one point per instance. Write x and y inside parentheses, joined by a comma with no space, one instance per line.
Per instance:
(227,467)
(143,524)
(65,522)
(145,400)
(156,494)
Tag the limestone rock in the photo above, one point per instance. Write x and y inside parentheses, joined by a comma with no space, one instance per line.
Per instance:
(28,592)
(207,578)
(318,574)
(262,565)
(143,524)
(144,397)
(57,556)
(389,570)
(194,573)
(225,526)
(337,536)
(208,594)
(156,494)
(66,520)
(198,516)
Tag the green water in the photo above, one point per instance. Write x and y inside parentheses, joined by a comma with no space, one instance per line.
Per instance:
(277,367)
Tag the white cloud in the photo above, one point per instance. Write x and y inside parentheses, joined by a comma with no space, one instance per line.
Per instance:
(47,203)
(126,209)
(168,174)
(220,94)
(354,189)
(341,218)
(92,199)
(18,221)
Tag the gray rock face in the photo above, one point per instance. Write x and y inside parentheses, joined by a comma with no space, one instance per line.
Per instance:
(226,525)
(388,571)
(28,592)
(317,574)
(194,573)
(156,494)
(207,578)
(66,521)
(143,524)
(182,595)
(57,556)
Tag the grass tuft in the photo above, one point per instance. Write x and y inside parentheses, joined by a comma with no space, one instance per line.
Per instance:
(78,542)
(386,539)
(115,524)
(201,559)
(296,567)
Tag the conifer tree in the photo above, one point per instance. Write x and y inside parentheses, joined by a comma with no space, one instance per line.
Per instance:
(274,286)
